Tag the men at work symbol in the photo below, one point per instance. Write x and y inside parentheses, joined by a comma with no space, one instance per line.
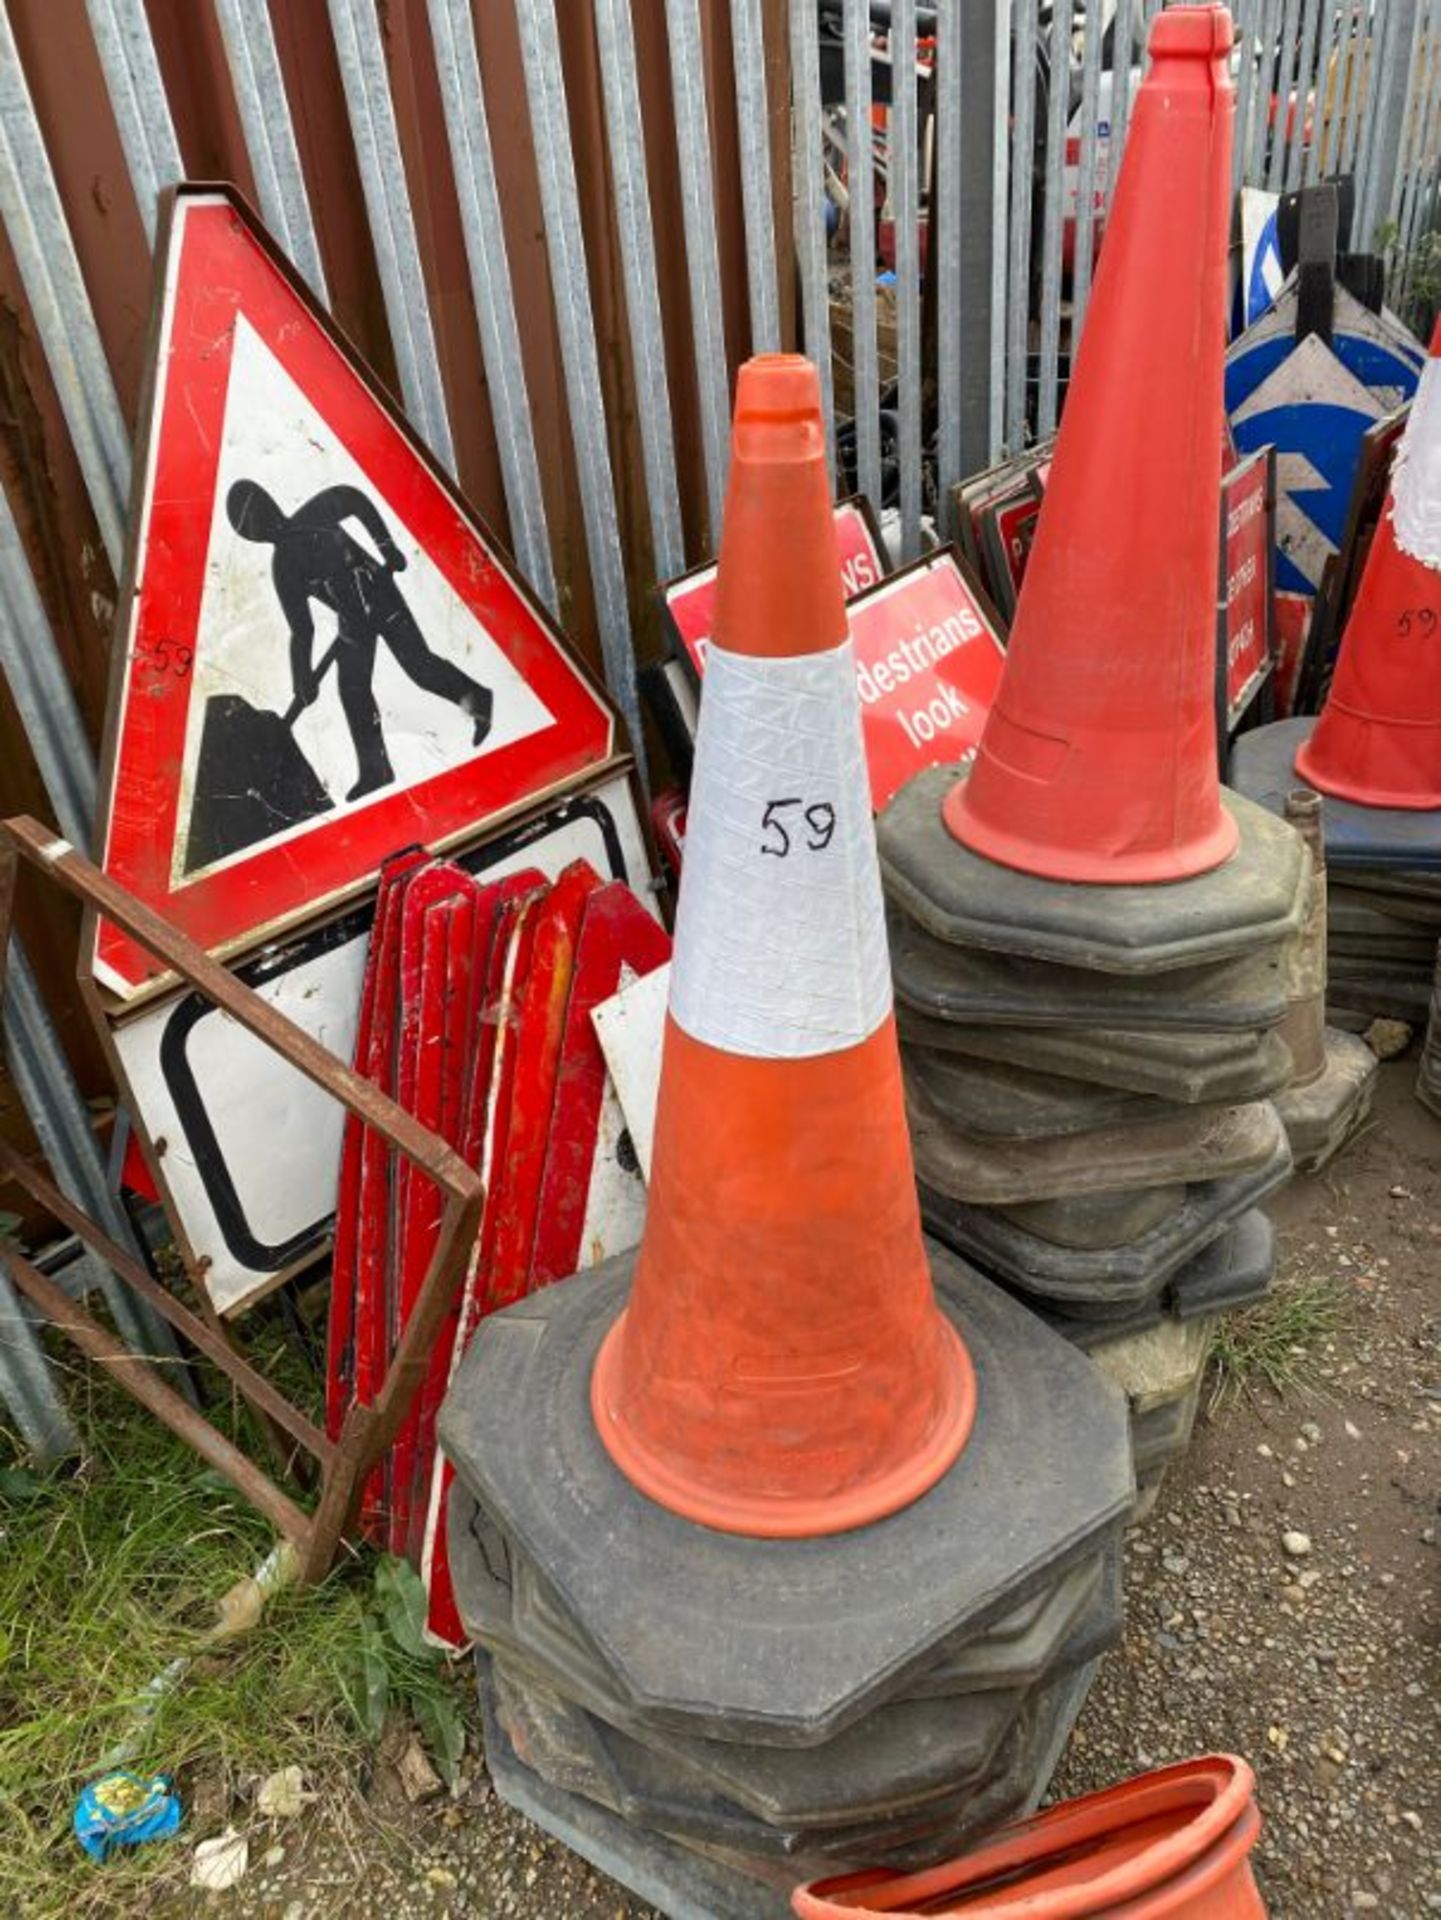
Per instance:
(317,561)
(252,781)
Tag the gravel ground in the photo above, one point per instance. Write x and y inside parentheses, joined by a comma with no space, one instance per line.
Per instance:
(1282,1602)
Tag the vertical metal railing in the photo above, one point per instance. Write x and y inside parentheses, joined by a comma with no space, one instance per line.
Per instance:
(1018,311)
(360,52)
(137,96)
(575,321)
(810,218)
(1052,226)
(266,124)
(905,203)
(473,163)
(692,129)
(947,256)
(625,136)
(861,186)
(753,117)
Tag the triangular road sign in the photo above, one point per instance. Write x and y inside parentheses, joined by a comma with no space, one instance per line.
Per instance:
(321,654)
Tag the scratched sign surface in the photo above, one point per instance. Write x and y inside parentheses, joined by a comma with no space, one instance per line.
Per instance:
(321,654)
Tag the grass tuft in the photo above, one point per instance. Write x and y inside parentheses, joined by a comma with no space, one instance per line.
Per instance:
(1277,1343)
(110,1570)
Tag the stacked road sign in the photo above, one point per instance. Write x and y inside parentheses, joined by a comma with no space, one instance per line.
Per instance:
(788,1541)
(1089,941)
(476,1017)
(1375,752)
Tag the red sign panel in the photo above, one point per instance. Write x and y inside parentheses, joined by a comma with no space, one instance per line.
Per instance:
(322,655)
(928,664)
(690,601)
(1246,588)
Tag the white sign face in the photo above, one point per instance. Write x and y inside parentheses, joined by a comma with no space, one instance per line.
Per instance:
(631,1029)
(252,1148)
(275,441)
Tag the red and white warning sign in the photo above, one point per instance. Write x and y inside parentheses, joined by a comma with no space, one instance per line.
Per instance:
(323,656)
(1247,525)
(690,601)
(928,664)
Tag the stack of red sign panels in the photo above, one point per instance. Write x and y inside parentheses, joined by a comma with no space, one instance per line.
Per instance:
(475,1017)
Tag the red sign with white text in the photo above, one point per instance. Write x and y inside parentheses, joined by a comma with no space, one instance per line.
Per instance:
(928,665)
(321,656)
(1246,589)
(690,601)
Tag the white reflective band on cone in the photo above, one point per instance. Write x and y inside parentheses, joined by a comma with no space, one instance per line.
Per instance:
(780,946)
(1416,483)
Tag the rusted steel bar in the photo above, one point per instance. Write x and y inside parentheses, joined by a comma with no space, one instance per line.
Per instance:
(368,1431)
(85,882)
(210,1341)
(142,1382)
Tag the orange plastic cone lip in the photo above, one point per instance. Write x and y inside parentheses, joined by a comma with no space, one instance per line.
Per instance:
(1176,1841)
(782,1369)
(1098,760)
(1377,741)
(795,1517)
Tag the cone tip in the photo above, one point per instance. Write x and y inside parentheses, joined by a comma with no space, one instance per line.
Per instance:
(771,384)
(1202,32)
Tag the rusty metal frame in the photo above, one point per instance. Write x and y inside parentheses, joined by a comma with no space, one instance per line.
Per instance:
(367,1431)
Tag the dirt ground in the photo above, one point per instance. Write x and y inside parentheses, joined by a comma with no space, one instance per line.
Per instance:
(1321,1666)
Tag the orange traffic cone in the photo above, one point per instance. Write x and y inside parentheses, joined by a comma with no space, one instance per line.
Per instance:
(1378,740)
(1098,761)
(782,1368)
(1170,1845)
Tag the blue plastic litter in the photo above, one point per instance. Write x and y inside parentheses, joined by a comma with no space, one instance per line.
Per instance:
(123,1809)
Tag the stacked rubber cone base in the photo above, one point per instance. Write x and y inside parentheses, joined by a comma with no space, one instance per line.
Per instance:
(1088,1068)
(1088,1075)
(710,1717)
(1384,866)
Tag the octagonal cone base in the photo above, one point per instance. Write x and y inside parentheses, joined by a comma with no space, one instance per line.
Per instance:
(1095,1220)
(1188,1147)
(1252,901)
(1109,1282)
(1263,767)
(1320,1118)
(1234,1271)
(784,1641)
(1186,1068)
(952,982)
(685,1883)
(1001,1102)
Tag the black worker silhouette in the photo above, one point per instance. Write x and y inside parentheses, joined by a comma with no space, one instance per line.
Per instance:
(317,560)
(251,780)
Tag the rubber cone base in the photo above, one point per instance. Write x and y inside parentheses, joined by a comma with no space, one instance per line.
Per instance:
(965,983)
(1098,1220)
(1106,1283)
(1212,1145)
(1190,1068)
(815,1631)
(1234,1271)
(1255,900)
(1264,768)
(1320,1117)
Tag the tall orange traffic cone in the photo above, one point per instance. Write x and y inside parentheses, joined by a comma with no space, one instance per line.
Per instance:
(1098,761)
(782,1368)
(1378,740)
